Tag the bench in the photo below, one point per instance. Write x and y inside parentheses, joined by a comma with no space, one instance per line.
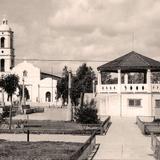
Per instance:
(32,125)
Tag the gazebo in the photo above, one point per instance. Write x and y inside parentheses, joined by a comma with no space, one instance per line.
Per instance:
(129,99)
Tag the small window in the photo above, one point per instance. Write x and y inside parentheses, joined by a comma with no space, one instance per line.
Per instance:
(131,102)
(134,102)
(2,42)
(2,64)
(12,63)
(157,103)
(25,73)
(137,102)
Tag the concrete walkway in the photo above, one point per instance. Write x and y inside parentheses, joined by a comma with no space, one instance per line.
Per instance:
(124,141)
(54,114)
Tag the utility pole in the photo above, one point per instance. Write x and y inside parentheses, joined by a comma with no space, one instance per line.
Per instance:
(133,41)
(69,118)
(23,87)
(93,88)
(52,85)
(23,98)
(39,93)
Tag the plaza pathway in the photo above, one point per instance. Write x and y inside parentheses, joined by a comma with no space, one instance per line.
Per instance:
(45,137)
(124,141)
(55,114)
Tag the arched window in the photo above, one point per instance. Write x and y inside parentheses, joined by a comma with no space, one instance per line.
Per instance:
(2,42)
(2,65)
(12,63)
(48,96)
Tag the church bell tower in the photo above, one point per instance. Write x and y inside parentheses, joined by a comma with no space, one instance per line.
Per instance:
(6,47)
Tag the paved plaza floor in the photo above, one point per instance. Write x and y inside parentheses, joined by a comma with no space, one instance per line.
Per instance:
(55,114)
(124,141)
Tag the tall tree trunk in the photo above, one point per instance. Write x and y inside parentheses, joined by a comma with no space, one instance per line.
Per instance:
(10,114)
(3,97)
(82,99)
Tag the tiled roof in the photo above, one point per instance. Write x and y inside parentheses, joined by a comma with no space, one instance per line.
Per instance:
(131,62)
(48,75)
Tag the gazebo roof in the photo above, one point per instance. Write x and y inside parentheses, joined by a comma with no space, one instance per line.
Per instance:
(131,62)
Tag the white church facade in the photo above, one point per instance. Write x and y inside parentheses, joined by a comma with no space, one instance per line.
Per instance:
(41,86)
(129,98)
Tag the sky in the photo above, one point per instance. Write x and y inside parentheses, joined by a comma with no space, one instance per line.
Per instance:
(99,30)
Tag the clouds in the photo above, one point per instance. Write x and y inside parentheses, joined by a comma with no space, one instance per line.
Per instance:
(83,29)
(117,20)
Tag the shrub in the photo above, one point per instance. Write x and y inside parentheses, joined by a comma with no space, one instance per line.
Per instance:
(157,120)
(87,114)
(4,115)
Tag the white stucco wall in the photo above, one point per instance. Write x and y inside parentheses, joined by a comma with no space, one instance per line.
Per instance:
(31,80)
(37,88)
(143,110)
(101,105)
(117,104)
(156,111)
(48,85)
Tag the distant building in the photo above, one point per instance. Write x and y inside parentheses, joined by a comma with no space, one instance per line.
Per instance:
(129,99)
(41,86)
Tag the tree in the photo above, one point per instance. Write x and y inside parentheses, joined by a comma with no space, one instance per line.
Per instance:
(26,92)
(75,94)
(10,84)
(62,86)
(85,76)
(87,114)
(106,76)
(81,83)
(136,78)
(155,77)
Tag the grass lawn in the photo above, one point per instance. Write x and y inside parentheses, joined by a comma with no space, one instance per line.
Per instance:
(153,129)
(53,127)
(149,125)
(37,150)
(49,127)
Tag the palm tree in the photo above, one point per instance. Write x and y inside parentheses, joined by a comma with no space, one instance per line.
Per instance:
(10,84)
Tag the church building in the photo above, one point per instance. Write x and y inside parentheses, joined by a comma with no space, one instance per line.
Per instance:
(41,86)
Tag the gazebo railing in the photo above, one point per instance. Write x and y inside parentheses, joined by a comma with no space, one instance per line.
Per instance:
(132,88)
(107,88)
(155,87)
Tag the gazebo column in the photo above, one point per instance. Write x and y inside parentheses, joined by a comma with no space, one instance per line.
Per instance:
(125,78)
(119,80)
(99,78)
(149,80)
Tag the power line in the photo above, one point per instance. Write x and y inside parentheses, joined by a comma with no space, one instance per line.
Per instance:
(59,60)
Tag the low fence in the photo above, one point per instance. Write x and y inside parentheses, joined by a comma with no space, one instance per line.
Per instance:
(48,127)
(105,125)
(86,149)
(141,125)
(147,124)
(89,145)
(99,128)
(155,145)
